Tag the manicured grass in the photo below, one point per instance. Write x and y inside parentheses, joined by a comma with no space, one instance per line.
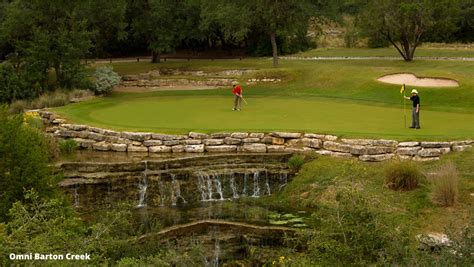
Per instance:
(183,113)
(340,97)
(388,52)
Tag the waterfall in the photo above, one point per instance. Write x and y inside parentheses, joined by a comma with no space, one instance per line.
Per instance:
(76,196)
(217,252)
(142,186)
(267,184)
(283,179)
(175,191)
(244,188)
(233,186)
(256,186)
(209,185)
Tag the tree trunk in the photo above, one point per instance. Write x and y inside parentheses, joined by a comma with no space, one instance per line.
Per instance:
(155,57)
(59,74)
(274,49)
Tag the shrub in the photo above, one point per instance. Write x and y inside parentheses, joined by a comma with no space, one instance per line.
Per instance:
(402,175)
(105,80)
(68,146)
(444,185)
(55,99)
(79,93)
(17,107)
(33,119)
(295,162)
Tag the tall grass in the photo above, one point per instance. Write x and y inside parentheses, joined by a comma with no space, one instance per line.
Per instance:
(55,99)
(445,185)
(402,175)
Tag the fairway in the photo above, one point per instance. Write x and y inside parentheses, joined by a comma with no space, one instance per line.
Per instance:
(180,114)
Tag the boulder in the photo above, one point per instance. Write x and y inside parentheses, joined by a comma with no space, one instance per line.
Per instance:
(383,142)
(336,147)
(213,142)
(461,148)
(433,241)
(408,144)
(358,150)
(220,135)
(192,142)
(403,157)
(112,133)
(132,148)
(232,141)
(408,151)
(85,143)
(167,137)
(153,143)
(278,141)
(460,143)
(267,140)
(429,152)
(330,138)
(340,155)
(311,142)
(159,149)
(221,149)
(311,135)
(194,148)
(195,135)
(119,147)
(251,140)
(66,133)
(294,142)
(376,158)
(177,149)
(445,150)
(239,135)
(256,148)
(101,146)
(275,148)
(256,135)
(95,136)
(286,135)
(96,130)
(358,142)
(75,127)
(134,136)
(418,158)
(58,121)
(375,150)
(435,144)
(171,142)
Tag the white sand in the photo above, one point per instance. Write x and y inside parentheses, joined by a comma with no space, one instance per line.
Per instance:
(412,80)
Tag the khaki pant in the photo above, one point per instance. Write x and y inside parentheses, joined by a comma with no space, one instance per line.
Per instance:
(237,102)
(415,118)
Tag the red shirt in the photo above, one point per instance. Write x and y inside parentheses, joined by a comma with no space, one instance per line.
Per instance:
(237,90)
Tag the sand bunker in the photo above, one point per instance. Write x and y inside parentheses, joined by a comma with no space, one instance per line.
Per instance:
(412,80)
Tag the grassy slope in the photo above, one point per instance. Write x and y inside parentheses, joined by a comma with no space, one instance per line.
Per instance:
(325,96)
(388,52)
(320,180)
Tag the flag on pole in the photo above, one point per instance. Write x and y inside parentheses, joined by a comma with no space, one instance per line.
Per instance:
(402,90)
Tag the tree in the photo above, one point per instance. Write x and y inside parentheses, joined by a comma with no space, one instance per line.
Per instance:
(403,23)
(280,18)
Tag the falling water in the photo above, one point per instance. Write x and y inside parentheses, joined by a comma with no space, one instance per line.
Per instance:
(233,186)
(76,196)
(209,185)
(244,189)
(256,186)
(217,252)
(142,186)
(218,184)
(175,191)
(267,184)
(283,179)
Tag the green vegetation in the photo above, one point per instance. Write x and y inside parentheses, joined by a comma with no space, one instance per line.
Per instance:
(68,146)
(445,185)
(321,96)
(105,79)
(295,162)
(402,175)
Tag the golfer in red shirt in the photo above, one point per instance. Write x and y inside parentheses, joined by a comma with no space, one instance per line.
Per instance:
(237,91)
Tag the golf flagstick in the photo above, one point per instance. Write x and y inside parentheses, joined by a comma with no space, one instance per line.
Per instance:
(404,107)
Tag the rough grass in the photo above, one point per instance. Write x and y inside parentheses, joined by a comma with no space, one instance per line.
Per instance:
(402,175)
(428,51)
(444,185)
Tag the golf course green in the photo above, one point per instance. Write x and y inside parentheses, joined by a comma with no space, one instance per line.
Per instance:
(332,97)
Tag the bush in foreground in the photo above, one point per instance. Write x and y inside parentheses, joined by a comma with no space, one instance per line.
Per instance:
(444,185)
(296,162)
(402,175)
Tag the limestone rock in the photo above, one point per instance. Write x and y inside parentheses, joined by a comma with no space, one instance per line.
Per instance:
(461,148)
(58,121)
(267,140)
(408,144)
(376,158)
(408,150)
(119,147)
(311,142)
(96,136)
(375,150)
(460,143)
(429,152)
(232,141)
(96,130)
(341,155)
(195,135)
(358,150)
(275,148)
(404,157)
(239,135)
(220,135)
(194,148)
(112,133)
(101,146)
(65,133)
(286,135)
(192,142)
(433,241)
(132,148)
(136,136)
(159,149)
(330,138)
(84,143)
(435,144)
(213,142)
(75,127)
(278,141)
(256,135)
(251,140)
(312,135)
(153,143)
(358,142)
(177,149)
(418,158)
(167,137)
(171,142)
(445,150)
(383,142)
(295,143)
(257,148)
(221,149)
(336,147)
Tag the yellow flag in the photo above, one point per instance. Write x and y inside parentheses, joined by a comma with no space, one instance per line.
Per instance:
(402,90)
